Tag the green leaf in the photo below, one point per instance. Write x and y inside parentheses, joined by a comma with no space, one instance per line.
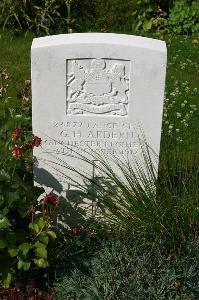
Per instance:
(13,251)
(5,210)
(34,227)
(25,247)
(147,24)
(20,264)
(6,280)
(23,265)
(41,262)
(41,223)
(4,223)
(43,238)
(26,265)
(38,244)
(3,244)
(51,234)
(31,226)
(149,9)
(138,25)
(41,251)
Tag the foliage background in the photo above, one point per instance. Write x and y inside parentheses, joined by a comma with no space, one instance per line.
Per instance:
(53,16)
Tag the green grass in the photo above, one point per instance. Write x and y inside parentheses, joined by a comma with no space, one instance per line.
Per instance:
(15,57)
(182,84)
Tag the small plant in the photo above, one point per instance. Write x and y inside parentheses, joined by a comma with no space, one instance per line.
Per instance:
(25,224)
(143,15)
(184,18)
(45,16)
(148,16)
(42,16)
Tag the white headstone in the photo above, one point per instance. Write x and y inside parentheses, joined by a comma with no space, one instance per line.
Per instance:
(90,91)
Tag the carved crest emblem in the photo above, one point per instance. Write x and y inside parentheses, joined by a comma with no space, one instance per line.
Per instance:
(100,87)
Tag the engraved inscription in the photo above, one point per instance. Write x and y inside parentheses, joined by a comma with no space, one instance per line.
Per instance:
(97,86)
(103,137)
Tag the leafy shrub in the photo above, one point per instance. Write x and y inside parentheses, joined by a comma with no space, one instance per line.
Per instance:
(24,235)
(181,16)
(148,15)
(133,269)
(184,18)
(45,16)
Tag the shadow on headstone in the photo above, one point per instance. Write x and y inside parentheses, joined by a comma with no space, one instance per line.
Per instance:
(71,210)
(74,208)
(44,178)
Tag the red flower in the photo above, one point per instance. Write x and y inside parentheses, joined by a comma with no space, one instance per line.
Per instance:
(17,152)
(36,141)
(51,198)
(17,133)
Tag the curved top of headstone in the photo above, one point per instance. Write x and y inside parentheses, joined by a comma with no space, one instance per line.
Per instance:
(102,38)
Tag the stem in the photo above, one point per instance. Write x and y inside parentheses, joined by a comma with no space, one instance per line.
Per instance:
(41,230)
(68,5)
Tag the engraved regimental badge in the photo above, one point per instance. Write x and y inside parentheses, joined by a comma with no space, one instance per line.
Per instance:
(97,86)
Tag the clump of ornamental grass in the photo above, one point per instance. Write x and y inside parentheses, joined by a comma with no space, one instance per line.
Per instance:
(137,199)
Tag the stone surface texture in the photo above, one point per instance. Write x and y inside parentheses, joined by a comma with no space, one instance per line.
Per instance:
(93,92)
